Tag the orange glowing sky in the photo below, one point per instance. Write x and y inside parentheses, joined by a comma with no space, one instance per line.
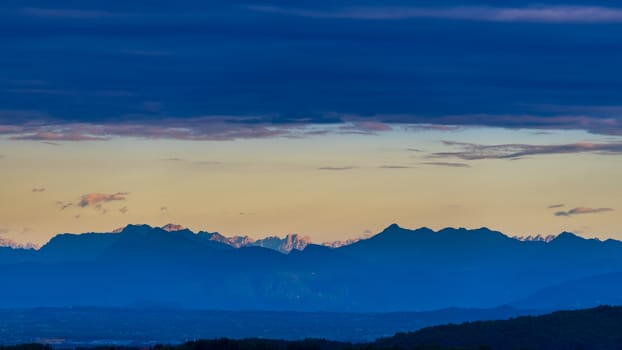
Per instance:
(329,187)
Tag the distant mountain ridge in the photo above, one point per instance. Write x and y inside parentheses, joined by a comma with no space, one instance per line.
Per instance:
(396,269)
(297,242)
(283,245)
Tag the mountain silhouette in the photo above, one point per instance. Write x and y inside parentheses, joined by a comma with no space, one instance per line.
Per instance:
(397,269)
(284,245)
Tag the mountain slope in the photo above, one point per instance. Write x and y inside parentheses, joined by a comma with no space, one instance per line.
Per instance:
(576,294)
(398,269)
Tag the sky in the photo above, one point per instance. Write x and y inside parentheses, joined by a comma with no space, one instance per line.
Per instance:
(331,119)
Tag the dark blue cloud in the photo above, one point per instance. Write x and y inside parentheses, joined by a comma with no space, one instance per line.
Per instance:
(554,65)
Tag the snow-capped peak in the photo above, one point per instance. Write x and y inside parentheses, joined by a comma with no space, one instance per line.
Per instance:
(5,242)
(535,238)
(172,227)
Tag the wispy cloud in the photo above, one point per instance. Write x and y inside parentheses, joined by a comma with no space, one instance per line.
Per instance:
(394,167)
(58,136)
(364,127)
(337,168)
(594,122)
(96,199)
(41,189)
(196,162)
(582,210)
(473,151)
(447,164)
(224,128)
(63,205)
(202,128)
(555,206)
(539,14)
(432,127)
(207,162)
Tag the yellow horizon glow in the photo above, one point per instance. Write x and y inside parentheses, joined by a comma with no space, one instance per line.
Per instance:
(274,186)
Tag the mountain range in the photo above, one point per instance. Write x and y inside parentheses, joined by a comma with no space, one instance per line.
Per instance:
(397,269)
(283,245)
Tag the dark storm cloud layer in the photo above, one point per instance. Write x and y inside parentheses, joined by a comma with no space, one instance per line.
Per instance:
(278,64)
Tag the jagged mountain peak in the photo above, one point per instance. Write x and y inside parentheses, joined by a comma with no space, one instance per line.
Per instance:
(535,238)
(144,228)
(172,227)
(393,227)
(567,237)
(284,245)
(9,243)
(132,228)
(136,228)
(572,239)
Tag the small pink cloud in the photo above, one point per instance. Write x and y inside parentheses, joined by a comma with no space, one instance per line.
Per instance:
(96,199)
(372,126)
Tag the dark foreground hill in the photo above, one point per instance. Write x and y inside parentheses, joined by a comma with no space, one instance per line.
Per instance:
(245,344)
(597,328)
